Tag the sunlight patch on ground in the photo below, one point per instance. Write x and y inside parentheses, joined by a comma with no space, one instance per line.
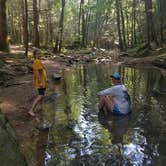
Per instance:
(7,106)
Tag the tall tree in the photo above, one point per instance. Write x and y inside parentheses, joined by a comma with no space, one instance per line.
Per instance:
(25,25)
(61,25)
(3,26)
(59,37)
(123,25)
(36,23)
(162,13)
(134,39)
(151,34)
(117,5)
(83,23)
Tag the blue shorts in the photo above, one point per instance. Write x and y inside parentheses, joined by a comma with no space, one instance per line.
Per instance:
(116,111)
(41,91)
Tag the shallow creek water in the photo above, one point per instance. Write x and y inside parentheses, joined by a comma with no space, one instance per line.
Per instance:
(80,135)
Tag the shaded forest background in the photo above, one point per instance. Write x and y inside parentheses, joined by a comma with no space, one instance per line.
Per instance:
(68,24)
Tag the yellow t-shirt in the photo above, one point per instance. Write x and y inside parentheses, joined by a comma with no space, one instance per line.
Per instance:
(38,67)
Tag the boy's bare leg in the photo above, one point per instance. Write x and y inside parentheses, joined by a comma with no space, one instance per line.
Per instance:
(106,101)
(109,103)
(35,103)
(101,102)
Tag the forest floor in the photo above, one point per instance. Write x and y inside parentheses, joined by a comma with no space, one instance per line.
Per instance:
(16,80)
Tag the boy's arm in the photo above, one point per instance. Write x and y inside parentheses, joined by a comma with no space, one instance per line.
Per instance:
(105,92)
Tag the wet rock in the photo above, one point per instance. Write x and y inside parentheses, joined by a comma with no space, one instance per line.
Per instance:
(21,69)
(43,127)
(50,98)
(10,154)
(56,76)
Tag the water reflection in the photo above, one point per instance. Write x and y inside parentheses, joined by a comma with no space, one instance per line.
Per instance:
(82,136)
(116,125)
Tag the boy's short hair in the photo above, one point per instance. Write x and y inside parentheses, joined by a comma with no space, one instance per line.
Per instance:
(35,52)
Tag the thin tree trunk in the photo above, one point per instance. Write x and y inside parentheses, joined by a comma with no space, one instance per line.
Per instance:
(25,25)
(151,34)
(79,22)
(83,23)
(61,25)
(134,40)
(3,26)
(127,24)
(36,22)
(123,25)
(118,23)
(47,29)
(162,10)
(134,23)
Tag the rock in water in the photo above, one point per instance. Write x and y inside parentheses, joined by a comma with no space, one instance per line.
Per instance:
(50,98)
(56,76)
(43,127)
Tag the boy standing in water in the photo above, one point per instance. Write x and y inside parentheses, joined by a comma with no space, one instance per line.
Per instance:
(116,99)
(40,77)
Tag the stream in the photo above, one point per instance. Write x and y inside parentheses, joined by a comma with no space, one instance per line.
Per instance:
(80,135)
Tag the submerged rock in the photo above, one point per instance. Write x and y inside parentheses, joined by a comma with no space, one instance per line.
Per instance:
(56,76)
(44,127)
(10,154)
(50,98)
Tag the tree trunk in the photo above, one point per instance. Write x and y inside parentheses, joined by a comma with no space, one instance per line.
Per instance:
(79,23)
(151,34)
(118,23)
(36,24)
(83,23)
(25,25)
(162,16)
(3,27)
(61,25)
(123,25)
(134,40)
(127,24)
(134,23)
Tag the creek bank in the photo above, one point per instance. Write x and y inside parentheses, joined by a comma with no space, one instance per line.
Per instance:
(16,65)
(142,57)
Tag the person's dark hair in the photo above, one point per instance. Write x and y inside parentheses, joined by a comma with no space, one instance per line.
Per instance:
(35,52)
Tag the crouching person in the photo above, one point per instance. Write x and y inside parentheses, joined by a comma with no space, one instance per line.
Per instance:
(115,99)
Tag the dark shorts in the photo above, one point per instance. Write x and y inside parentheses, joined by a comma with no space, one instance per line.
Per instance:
(117,112)
(41,91)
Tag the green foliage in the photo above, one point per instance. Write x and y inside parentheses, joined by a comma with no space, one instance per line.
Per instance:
(100,22)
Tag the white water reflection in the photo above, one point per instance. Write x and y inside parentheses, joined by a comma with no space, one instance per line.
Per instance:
(135,153)
(88,130)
